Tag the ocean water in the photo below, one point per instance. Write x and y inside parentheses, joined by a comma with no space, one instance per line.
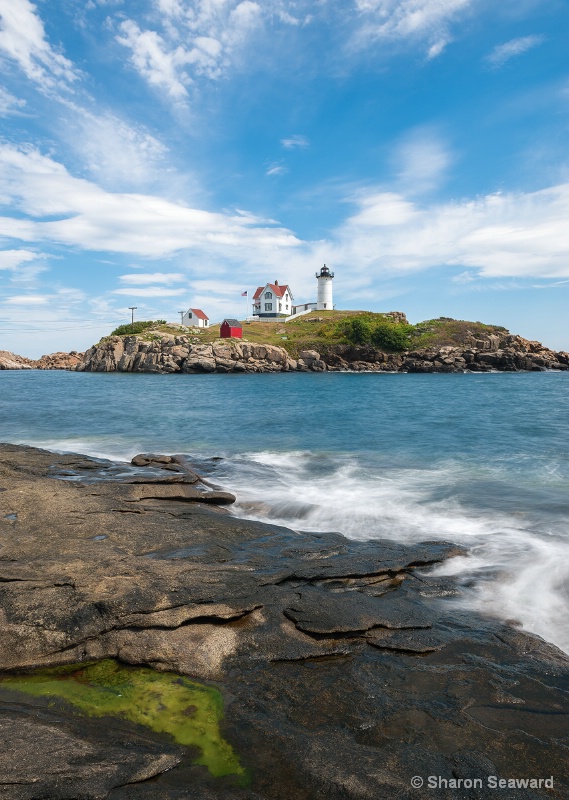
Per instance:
(481,460)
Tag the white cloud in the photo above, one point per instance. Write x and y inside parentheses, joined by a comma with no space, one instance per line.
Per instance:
(198,39)
(12,259)
(23,41)
(515,47)
(408,19)
(150,291)
(140,278)
(500,235)
(112,150)
(218,288)
(10,105)
(27,300)
(437,48)
(421,159)
(140,224)
(150,56)
(295,141)
(276,169)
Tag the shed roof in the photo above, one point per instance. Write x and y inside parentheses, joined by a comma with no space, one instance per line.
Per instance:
(199,313)
(233,323)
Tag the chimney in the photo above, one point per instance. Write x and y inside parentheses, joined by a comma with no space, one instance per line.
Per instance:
(276,283)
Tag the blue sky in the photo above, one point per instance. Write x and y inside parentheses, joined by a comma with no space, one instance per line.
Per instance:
(167,153)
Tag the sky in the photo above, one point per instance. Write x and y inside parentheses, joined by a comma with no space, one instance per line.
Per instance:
(168,154)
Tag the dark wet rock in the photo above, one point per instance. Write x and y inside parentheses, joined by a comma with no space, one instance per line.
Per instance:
(45,753)
(344,669)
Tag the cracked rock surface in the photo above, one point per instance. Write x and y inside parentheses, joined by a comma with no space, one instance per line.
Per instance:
(343,670)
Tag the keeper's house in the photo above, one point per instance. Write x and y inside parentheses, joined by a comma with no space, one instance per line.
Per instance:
(195,318)
(272,301)
(231,329)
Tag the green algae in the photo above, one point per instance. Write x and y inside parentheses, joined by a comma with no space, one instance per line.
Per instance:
(163,701)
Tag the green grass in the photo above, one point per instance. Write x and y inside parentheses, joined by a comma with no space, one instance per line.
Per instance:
(446,331)
(323,330)
(167,703)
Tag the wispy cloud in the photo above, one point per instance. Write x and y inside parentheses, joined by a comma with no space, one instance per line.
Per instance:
(12,259)
(141,278)
(392,20)
(421,159)
(94,219)
(276,169)
(27,300)
(23,41)
(10,105)
(295,141)
(195,40)
(112,150)
(515,47)
(437,48)
(150,291)
(519,234)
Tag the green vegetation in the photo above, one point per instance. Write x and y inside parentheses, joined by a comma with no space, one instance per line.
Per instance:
(167,703)
(324,330)
(136,327)
(383,333)
(446,331)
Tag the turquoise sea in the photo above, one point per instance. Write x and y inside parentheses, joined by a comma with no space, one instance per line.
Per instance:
(482,460)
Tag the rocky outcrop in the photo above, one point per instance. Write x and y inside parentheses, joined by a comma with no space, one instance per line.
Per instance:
(177,354)
(53,361)
(12,361)
(60,361)
(504,353)
(343,669)
(169,353)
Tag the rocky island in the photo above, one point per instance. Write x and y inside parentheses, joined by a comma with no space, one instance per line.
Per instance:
(155,646)
(334,342)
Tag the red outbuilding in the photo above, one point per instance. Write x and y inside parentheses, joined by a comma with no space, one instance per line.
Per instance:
(231,328)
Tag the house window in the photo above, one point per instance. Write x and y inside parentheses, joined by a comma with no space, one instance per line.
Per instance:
(280,306)
(268,295)
(324,305)
(268,306)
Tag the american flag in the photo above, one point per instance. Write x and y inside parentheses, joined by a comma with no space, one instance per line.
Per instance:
(244,294)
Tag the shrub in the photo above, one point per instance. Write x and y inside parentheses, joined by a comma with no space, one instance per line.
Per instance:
(389,336)
(357,330)
(131,328)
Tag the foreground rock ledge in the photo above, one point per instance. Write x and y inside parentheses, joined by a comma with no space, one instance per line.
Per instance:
(344,673)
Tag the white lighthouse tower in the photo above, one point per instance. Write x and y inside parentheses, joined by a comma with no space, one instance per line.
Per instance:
(324,277)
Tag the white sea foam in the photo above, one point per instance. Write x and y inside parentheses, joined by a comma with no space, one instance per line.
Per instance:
(518,562)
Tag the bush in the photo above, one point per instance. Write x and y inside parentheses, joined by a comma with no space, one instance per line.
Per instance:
(388,336)
(357,330)
(381,333)
(135,327)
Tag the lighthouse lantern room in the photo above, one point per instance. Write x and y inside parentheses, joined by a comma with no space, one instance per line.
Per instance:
(324,277)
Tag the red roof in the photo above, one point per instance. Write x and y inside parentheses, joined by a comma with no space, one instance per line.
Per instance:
(277,289)
(199,313)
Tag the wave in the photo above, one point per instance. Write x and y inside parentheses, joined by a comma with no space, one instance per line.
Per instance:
(517,566)
(511,514)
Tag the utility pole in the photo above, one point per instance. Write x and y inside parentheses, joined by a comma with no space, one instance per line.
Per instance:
(132,310)
(181,313)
